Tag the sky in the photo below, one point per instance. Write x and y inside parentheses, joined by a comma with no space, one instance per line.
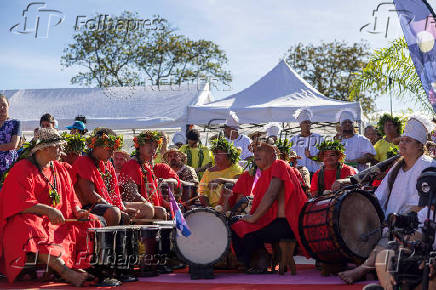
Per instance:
(254,34)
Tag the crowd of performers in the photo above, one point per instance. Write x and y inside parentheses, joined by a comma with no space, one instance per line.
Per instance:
(56,186)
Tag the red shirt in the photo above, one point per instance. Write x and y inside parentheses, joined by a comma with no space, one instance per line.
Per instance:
(147,183)
(242,187)
(330,177)
(294,199)
(20,233)
(108,188)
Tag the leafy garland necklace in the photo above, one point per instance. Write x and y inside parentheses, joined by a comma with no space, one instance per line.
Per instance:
(53,188)
(106,176)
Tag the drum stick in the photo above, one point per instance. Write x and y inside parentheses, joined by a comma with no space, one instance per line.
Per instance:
(76,220)
(145,220)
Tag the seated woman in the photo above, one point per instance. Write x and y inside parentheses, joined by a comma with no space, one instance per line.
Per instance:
(226,170)
(141,181)
(96,183)
(332,155)
(36,201)
(397,193)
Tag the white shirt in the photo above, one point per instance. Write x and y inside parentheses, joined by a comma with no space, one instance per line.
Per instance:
(300,144)
(243,142)
(404,194)
(356,147)
(422,216)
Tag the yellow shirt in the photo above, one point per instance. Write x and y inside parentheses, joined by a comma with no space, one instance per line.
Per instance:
(207,155)
(381,148)
(215,195)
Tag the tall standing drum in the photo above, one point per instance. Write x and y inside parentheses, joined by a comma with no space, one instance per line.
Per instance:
(208,243)
(342,228)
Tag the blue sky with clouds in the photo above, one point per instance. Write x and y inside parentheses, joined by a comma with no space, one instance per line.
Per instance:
(254,34)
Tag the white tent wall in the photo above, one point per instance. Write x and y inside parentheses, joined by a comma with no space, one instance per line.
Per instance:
(274,98)
(116,108)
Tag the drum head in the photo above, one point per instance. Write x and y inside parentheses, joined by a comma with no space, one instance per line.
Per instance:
(209,240)
(359,224)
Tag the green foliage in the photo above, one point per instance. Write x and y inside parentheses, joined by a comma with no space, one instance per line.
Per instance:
(153,55)
(390,70)
(221,144)
(331,67)
(284,146)
(327,145)
(397,121)
(76,143)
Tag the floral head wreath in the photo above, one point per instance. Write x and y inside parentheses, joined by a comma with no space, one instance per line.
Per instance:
(331,146)
(148,137)
(109,141)
(221,144)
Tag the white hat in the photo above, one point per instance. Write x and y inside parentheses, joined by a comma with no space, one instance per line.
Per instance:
(345,115)
(46,137)
(232,120)
(303,115)
(418,128)
(273,130)
(179,138)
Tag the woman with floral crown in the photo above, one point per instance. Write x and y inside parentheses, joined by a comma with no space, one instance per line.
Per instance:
(95,180)
(143,181)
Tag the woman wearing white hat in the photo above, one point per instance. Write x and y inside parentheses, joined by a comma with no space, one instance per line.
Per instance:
(397,193)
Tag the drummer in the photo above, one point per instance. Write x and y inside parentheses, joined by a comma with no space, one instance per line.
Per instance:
(331,153)
(39,211)
(278,200)
(397,193)
(226,170)
(141,180)
(95,180)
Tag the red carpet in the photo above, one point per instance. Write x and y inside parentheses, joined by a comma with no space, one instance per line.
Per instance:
(307,278)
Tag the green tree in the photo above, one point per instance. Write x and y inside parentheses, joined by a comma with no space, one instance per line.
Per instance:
(390,70)
(123,55)
(331,67)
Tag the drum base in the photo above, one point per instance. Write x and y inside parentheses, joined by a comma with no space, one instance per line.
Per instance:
(201,272)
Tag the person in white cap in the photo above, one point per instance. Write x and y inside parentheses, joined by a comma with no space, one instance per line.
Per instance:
(272,131)
(358,149)
(232,135)
(304,144)
(397,193)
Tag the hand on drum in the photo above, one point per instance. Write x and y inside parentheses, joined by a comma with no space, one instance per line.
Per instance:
(132,212)
(339,183)
(249,218)
(226,193)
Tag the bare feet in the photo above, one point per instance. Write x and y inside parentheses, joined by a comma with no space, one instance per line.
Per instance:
(75,278)
(353,275)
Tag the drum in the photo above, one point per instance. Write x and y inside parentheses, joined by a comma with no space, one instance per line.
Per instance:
(209,241)
(342,228)
(114,246)
(147,245)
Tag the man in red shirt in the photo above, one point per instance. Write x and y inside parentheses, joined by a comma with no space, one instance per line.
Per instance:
(95,179)
(38,213)
(141,180)
(278,200)
(332,155)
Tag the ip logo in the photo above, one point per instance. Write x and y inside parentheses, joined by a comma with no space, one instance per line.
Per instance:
(38,20)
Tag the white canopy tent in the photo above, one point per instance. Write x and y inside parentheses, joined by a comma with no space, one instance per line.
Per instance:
(273,98)
(116,108)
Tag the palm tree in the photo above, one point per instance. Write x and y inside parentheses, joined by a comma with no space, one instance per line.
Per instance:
(390,70)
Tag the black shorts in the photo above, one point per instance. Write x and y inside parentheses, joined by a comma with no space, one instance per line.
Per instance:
(99,210)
